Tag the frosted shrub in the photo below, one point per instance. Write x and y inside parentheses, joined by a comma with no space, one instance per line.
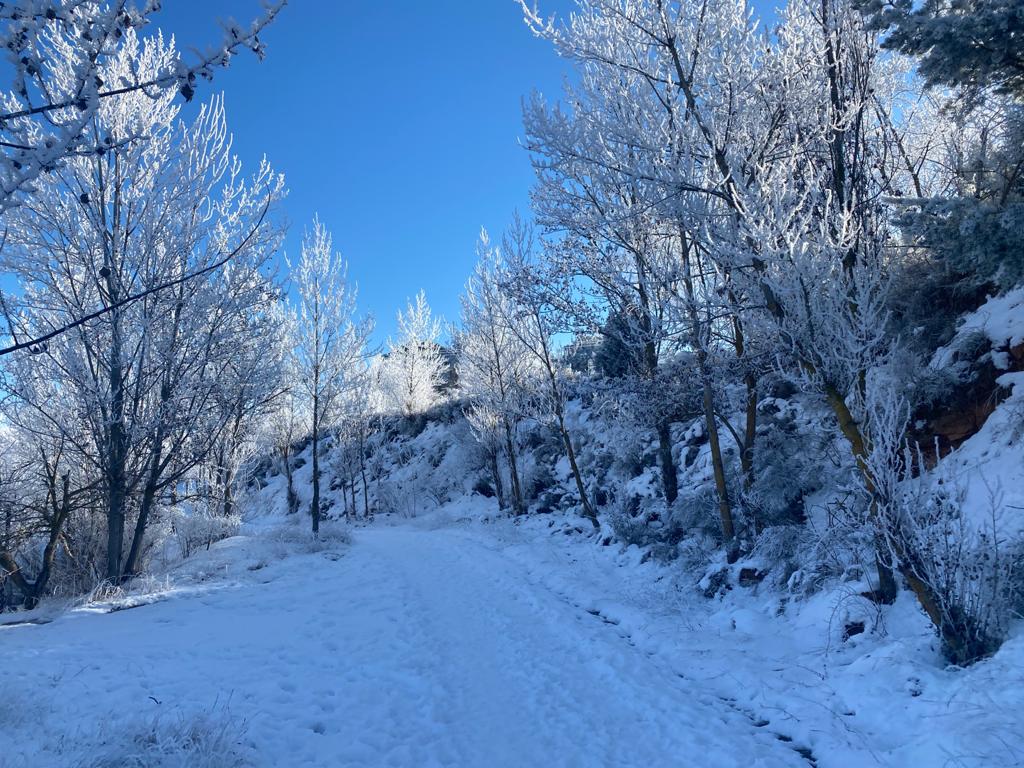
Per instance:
(779,549)
(299,539)
(538,480)
(843,549)
(199,529)
(81,573)
(631,531)
(951,553)
(410,498)
(697,512)
(696,551)
(973,570)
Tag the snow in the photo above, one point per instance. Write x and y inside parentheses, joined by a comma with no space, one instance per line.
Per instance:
(447,634)
(449,641)
(1000,319)
(989,466)
(411,648)
(883,698)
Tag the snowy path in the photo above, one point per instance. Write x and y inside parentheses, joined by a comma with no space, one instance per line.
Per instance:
(415,648)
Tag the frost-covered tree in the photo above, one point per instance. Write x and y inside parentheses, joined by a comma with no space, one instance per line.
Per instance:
(536,320)
(651,137)
(250,384)
(412,371)
(331,341)
(61,51)
(356,430)
(153,219)
(287,420)
(976,45)
(615,247)
(495,368)
(766,167)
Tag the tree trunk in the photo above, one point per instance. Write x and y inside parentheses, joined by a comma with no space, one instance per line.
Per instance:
(227,491)
(115,468)
(669,481)
(362,474)
(131,566)
(887,587)
(710,422)
(116,437)
(60,516)
(345,499)
(513,467)
(499,486)
(588,510)
(33,590)
(556,399)
(292,496)
(314,509)
(352,491)
(749,432)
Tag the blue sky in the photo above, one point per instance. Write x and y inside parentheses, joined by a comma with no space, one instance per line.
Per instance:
(397,120)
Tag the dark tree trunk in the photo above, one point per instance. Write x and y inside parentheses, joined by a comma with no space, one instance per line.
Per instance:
(314,508)
(366,485)
(292,496)
(131,566)
(710,421)
(749,432)
(229,494)
(499,485)
(588,509)
(570,453)
(669,481)
(345,498)
(33,590)
(513,466)
(115,465)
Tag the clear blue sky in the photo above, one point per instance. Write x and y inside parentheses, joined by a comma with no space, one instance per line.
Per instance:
(397,120)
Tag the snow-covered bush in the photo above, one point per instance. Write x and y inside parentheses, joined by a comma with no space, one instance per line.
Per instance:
(408,499)
(695,511)
(196,529)
(967,561)
(788,462)
(629,527)
(780,550)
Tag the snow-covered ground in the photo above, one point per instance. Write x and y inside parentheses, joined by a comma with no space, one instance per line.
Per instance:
(451,642)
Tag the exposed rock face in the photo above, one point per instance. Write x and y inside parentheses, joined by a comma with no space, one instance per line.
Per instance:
(963,412)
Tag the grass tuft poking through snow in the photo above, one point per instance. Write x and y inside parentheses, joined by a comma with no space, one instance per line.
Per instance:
(212,739)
